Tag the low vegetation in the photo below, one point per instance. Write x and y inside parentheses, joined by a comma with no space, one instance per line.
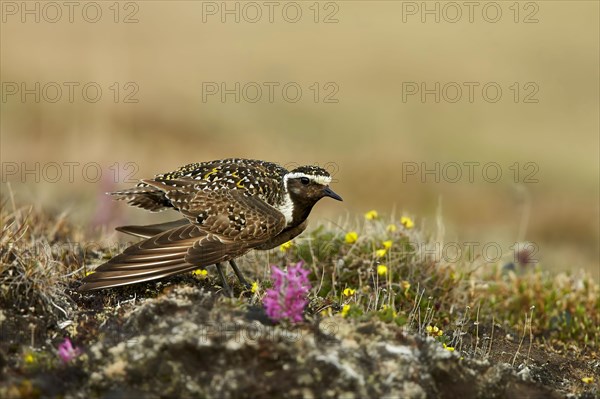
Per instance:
(382,277)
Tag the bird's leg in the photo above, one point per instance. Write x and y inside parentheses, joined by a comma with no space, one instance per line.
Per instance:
(239,274)
(223,281)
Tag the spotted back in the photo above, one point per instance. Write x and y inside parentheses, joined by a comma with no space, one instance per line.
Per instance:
(256,178)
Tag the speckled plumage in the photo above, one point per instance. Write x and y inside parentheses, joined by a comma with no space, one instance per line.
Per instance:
(257,178)
(229,207)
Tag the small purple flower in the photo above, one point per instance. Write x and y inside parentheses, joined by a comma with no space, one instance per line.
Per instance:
(67,352)
(287,298)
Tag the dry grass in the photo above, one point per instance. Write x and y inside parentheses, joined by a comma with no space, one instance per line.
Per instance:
(42,258)
(519,315)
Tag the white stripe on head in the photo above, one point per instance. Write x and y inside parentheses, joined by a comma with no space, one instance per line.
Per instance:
(319,179)
(287,206)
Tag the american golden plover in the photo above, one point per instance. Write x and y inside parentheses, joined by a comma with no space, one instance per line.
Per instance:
(229,207)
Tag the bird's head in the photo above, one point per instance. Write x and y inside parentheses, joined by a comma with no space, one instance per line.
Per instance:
(308,184)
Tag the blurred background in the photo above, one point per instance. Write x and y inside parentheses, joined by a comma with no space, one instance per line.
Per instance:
(491,109)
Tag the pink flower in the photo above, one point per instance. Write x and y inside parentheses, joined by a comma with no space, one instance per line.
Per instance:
(288,297)
(67,352)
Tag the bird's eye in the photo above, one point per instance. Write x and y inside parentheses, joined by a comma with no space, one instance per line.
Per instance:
(304,180)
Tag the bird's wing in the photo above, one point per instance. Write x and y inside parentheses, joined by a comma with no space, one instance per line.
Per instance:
(242,174)
(224,225)
(152,229)
(156,257)
(232,214)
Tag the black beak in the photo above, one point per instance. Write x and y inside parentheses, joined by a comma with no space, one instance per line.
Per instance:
(329,193)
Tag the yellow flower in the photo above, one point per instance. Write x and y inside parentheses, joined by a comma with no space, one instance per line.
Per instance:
(345,310)
(386,307)
(200,272)
(405,285)
(254,287)
(381,252)
(351,237)
(448,348)
(371,215)
(382,270)
(434,330)
(588,380)
(89,272)
(349,292)
(285,246)
(387,244)
(29,358)
(407,222)
(391,228)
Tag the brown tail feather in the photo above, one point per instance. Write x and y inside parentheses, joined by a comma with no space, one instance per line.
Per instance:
(144,197)
(124,279)
(171,252)
(152,229)
(156,257)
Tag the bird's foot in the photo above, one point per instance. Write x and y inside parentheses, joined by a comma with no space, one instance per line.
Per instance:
(224,283)
(239,275)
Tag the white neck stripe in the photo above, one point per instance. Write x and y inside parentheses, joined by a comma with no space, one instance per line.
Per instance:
(287,207)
